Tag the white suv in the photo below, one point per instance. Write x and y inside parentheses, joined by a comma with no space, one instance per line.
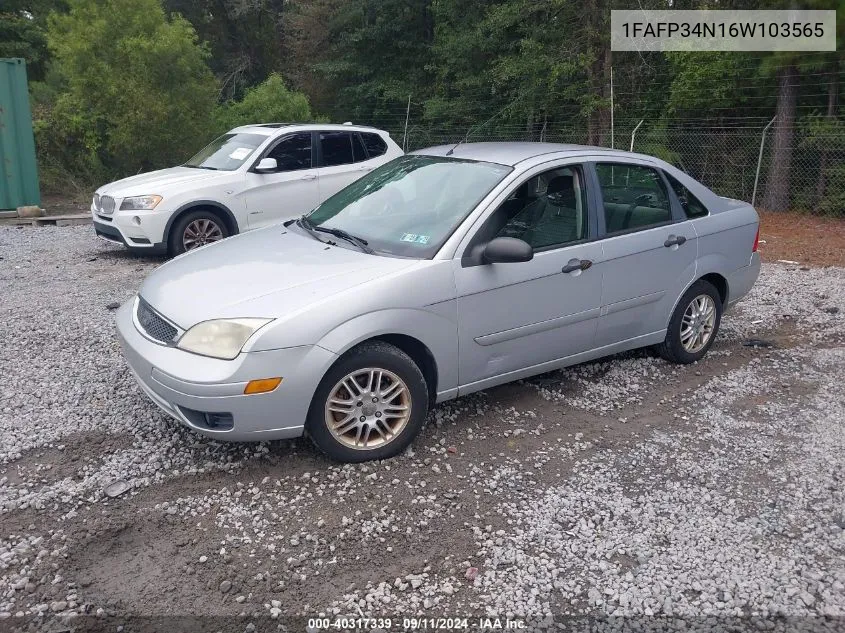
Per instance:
(250,177)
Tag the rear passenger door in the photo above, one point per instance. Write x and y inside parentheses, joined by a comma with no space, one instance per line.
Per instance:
(343,160)
(649,249)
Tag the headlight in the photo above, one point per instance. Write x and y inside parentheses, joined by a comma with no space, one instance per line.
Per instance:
(96,201)
(140,203)
(220,338)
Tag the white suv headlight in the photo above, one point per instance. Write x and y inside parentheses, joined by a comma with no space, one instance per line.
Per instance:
(220,338)
(140,203)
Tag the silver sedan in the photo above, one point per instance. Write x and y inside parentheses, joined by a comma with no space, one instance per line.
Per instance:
(443,272)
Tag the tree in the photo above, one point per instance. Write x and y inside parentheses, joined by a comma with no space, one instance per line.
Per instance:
(243,36)
(139,93)
(268,102)
(23,32)
(373,56)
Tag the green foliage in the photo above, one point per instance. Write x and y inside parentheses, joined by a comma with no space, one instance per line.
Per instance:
(23,32)
(129,89)
(242,35)
(706,80)
(139,94)
(270,101)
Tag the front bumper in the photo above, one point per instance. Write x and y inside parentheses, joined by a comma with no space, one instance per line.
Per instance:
(187,386)
(141,230)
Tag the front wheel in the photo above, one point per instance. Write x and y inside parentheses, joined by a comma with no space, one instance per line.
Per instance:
(195,229)
(369,405)
(693,325)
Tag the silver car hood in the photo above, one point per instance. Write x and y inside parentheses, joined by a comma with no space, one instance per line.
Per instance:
(268,273)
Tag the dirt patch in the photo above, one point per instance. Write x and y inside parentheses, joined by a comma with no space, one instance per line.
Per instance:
(806,239)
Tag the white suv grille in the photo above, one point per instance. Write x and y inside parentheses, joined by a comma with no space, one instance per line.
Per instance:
(107,205)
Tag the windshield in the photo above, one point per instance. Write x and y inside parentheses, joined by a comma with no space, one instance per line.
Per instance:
(411,205)
(227,152)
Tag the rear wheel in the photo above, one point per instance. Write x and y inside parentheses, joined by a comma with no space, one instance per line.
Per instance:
(370,405)
(694,324)
(195,229)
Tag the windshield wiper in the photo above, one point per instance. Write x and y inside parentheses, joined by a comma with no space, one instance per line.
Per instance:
(354,239)
(308,225)
(201,167)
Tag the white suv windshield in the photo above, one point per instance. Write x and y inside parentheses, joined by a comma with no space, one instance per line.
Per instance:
(411,205)
(227,152)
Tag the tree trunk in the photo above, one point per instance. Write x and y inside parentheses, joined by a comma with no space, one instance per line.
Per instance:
(777,184)
(597,28)
(832,97)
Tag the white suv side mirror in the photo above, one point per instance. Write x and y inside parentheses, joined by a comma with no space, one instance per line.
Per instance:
(266,165)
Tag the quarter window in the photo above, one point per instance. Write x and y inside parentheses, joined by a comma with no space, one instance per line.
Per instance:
(336,148)
(292,152)
(374,143)
(549,210)
(634,197)
(692,206)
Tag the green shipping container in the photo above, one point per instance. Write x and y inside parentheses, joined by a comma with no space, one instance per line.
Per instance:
(18,168)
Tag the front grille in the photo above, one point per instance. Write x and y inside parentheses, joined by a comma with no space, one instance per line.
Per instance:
(155,326)
(107,204)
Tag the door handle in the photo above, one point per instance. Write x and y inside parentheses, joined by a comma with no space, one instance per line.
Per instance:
(309,177)
(673,240)
(576,264)
(365,169)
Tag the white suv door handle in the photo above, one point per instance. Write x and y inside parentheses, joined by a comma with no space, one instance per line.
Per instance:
(365,168)
(309,177)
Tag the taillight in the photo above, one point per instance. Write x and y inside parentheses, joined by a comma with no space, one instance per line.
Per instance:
(756,240)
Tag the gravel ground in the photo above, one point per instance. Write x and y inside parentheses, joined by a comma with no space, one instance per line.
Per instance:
(624,487)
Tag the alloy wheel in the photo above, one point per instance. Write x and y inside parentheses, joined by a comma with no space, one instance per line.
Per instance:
(368,408)
(698,323)
(200,232)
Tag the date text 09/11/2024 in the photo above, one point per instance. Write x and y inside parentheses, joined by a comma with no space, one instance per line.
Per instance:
(415,623)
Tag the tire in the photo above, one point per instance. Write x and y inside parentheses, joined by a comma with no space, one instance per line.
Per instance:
(387,428)
(215,229)
(673,348)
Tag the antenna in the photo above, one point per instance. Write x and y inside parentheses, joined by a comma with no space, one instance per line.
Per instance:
(472,129)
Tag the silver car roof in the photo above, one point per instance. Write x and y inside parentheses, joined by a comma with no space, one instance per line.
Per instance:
(512,153)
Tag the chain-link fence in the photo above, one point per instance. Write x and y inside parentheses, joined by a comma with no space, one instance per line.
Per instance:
(725,156)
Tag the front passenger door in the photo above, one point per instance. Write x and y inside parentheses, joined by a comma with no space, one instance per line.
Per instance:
(289,191)
(515,317)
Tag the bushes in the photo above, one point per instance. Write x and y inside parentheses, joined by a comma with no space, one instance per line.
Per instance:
(136,92)
(269,102)
(130,90)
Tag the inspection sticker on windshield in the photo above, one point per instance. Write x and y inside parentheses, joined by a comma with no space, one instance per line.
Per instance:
(417,239)
(240,153)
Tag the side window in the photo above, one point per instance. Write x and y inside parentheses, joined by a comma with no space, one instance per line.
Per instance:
(358,151)
(292,152)
(548,210)
(692,205)
(336,148)
(634,197)
(374,143)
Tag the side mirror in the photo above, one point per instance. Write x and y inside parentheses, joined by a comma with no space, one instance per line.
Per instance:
(507,250)
(266,165)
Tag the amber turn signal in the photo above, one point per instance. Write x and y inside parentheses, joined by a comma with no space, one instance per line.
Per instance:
(261,386)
